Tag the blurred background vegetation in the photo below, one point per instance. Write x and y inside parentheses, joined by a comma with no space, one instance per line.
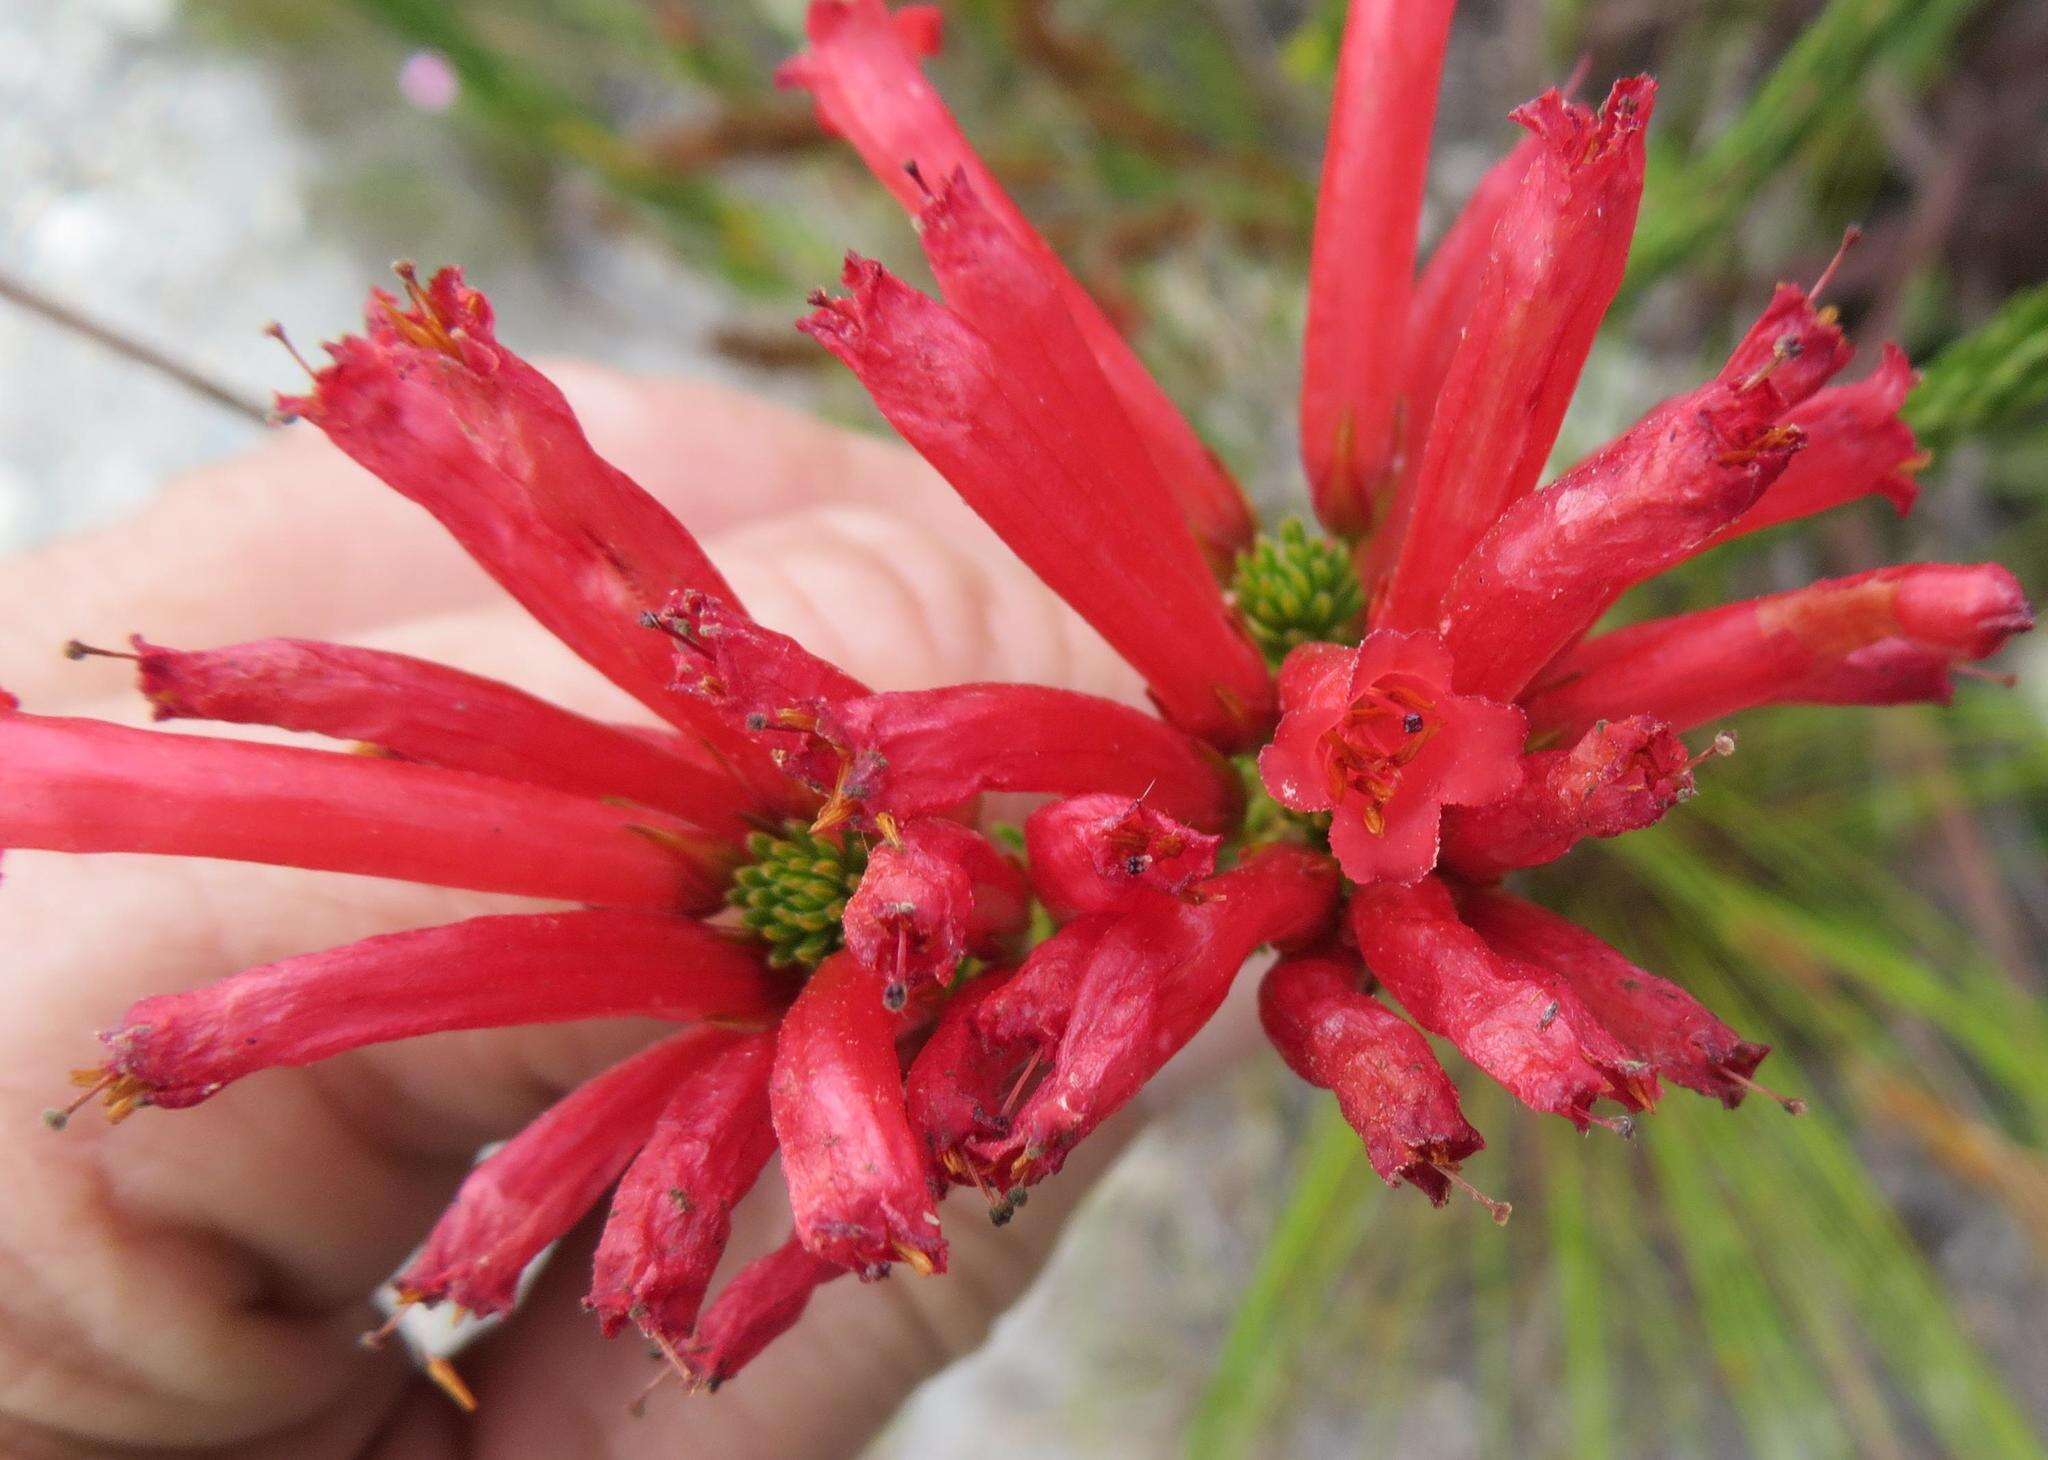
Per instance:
(1863,890)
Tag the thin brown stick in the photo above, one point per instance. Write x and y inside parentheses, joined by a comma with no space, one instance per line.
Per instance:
(19,292)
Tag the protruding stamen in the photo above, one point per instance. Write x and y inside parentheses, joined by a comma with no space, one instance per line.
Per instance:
(1850,237)
(919,1263)
(1023,1078)
(58,1117)
(122,1094)
(403,1299)
(1792,1104)
(1499,1210)
(450,1383)
(1783,350)
(1622,1125)
(76,649)
(1989,676)
(1721,745)
(276,332)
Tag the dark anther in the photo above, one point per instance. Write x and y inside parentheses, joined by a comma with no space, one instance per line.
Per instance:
(1412,723)
(895,996)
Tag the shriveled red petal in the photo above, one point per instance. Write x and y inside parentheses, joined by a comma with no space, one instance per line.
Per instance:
(539,1184)
(1653,1016)
(417,710)
(859,1181)
(1029,463)
(1883,637)
(934,894)
(429,400)
(1363,262)
(1621,776)
(1559,558)
(1385,1076)
(862,72)
(1519,1022)
(672,1214)
(1151,981)
(1555,262)
(913,752)
(1856,445)
(73,785)
(764,680)
(1095,853)
(540,968)
(761,1303)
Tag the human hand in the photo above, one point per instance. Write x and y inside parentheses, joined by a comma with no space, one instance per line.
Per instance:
(192,1283)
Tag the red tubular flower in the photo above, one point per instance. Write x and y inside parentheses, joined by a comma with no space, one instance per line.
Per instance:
(1884,637)
(1374,161)
(416,710)
(858,1178)
(1855,445)
(71,785)
(1385,1076)
(1096,853)
(1153,979)
(1621,776)
(428,400)
(1440,308)
(1517,1021)
(862,72)
(1375,736)
(542,968)
(539,1184)
(929,898)
(1555,262)
(1666,490)
(913,752)
(1003,291)
(1035,472)
(1653,1016)
(1559,558)
(761,1303)
(672,1214)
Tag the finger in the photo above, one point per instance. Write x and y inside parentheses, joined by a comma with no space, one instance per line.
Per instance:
(293,538)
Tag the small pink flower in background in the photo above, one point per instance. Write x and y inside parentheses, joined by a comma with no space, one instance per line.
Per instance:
(428,81)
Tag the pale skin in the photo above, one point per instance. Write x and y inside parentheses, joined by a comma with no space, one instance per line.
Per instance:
(190,1283)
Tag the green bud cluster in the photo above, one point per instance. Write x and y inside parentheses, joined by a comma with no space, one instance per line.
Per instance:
(794,891)
(1293,589)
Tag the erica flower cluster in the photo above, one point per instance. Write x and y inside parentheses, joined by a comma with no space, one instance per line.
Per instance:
(789,866)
